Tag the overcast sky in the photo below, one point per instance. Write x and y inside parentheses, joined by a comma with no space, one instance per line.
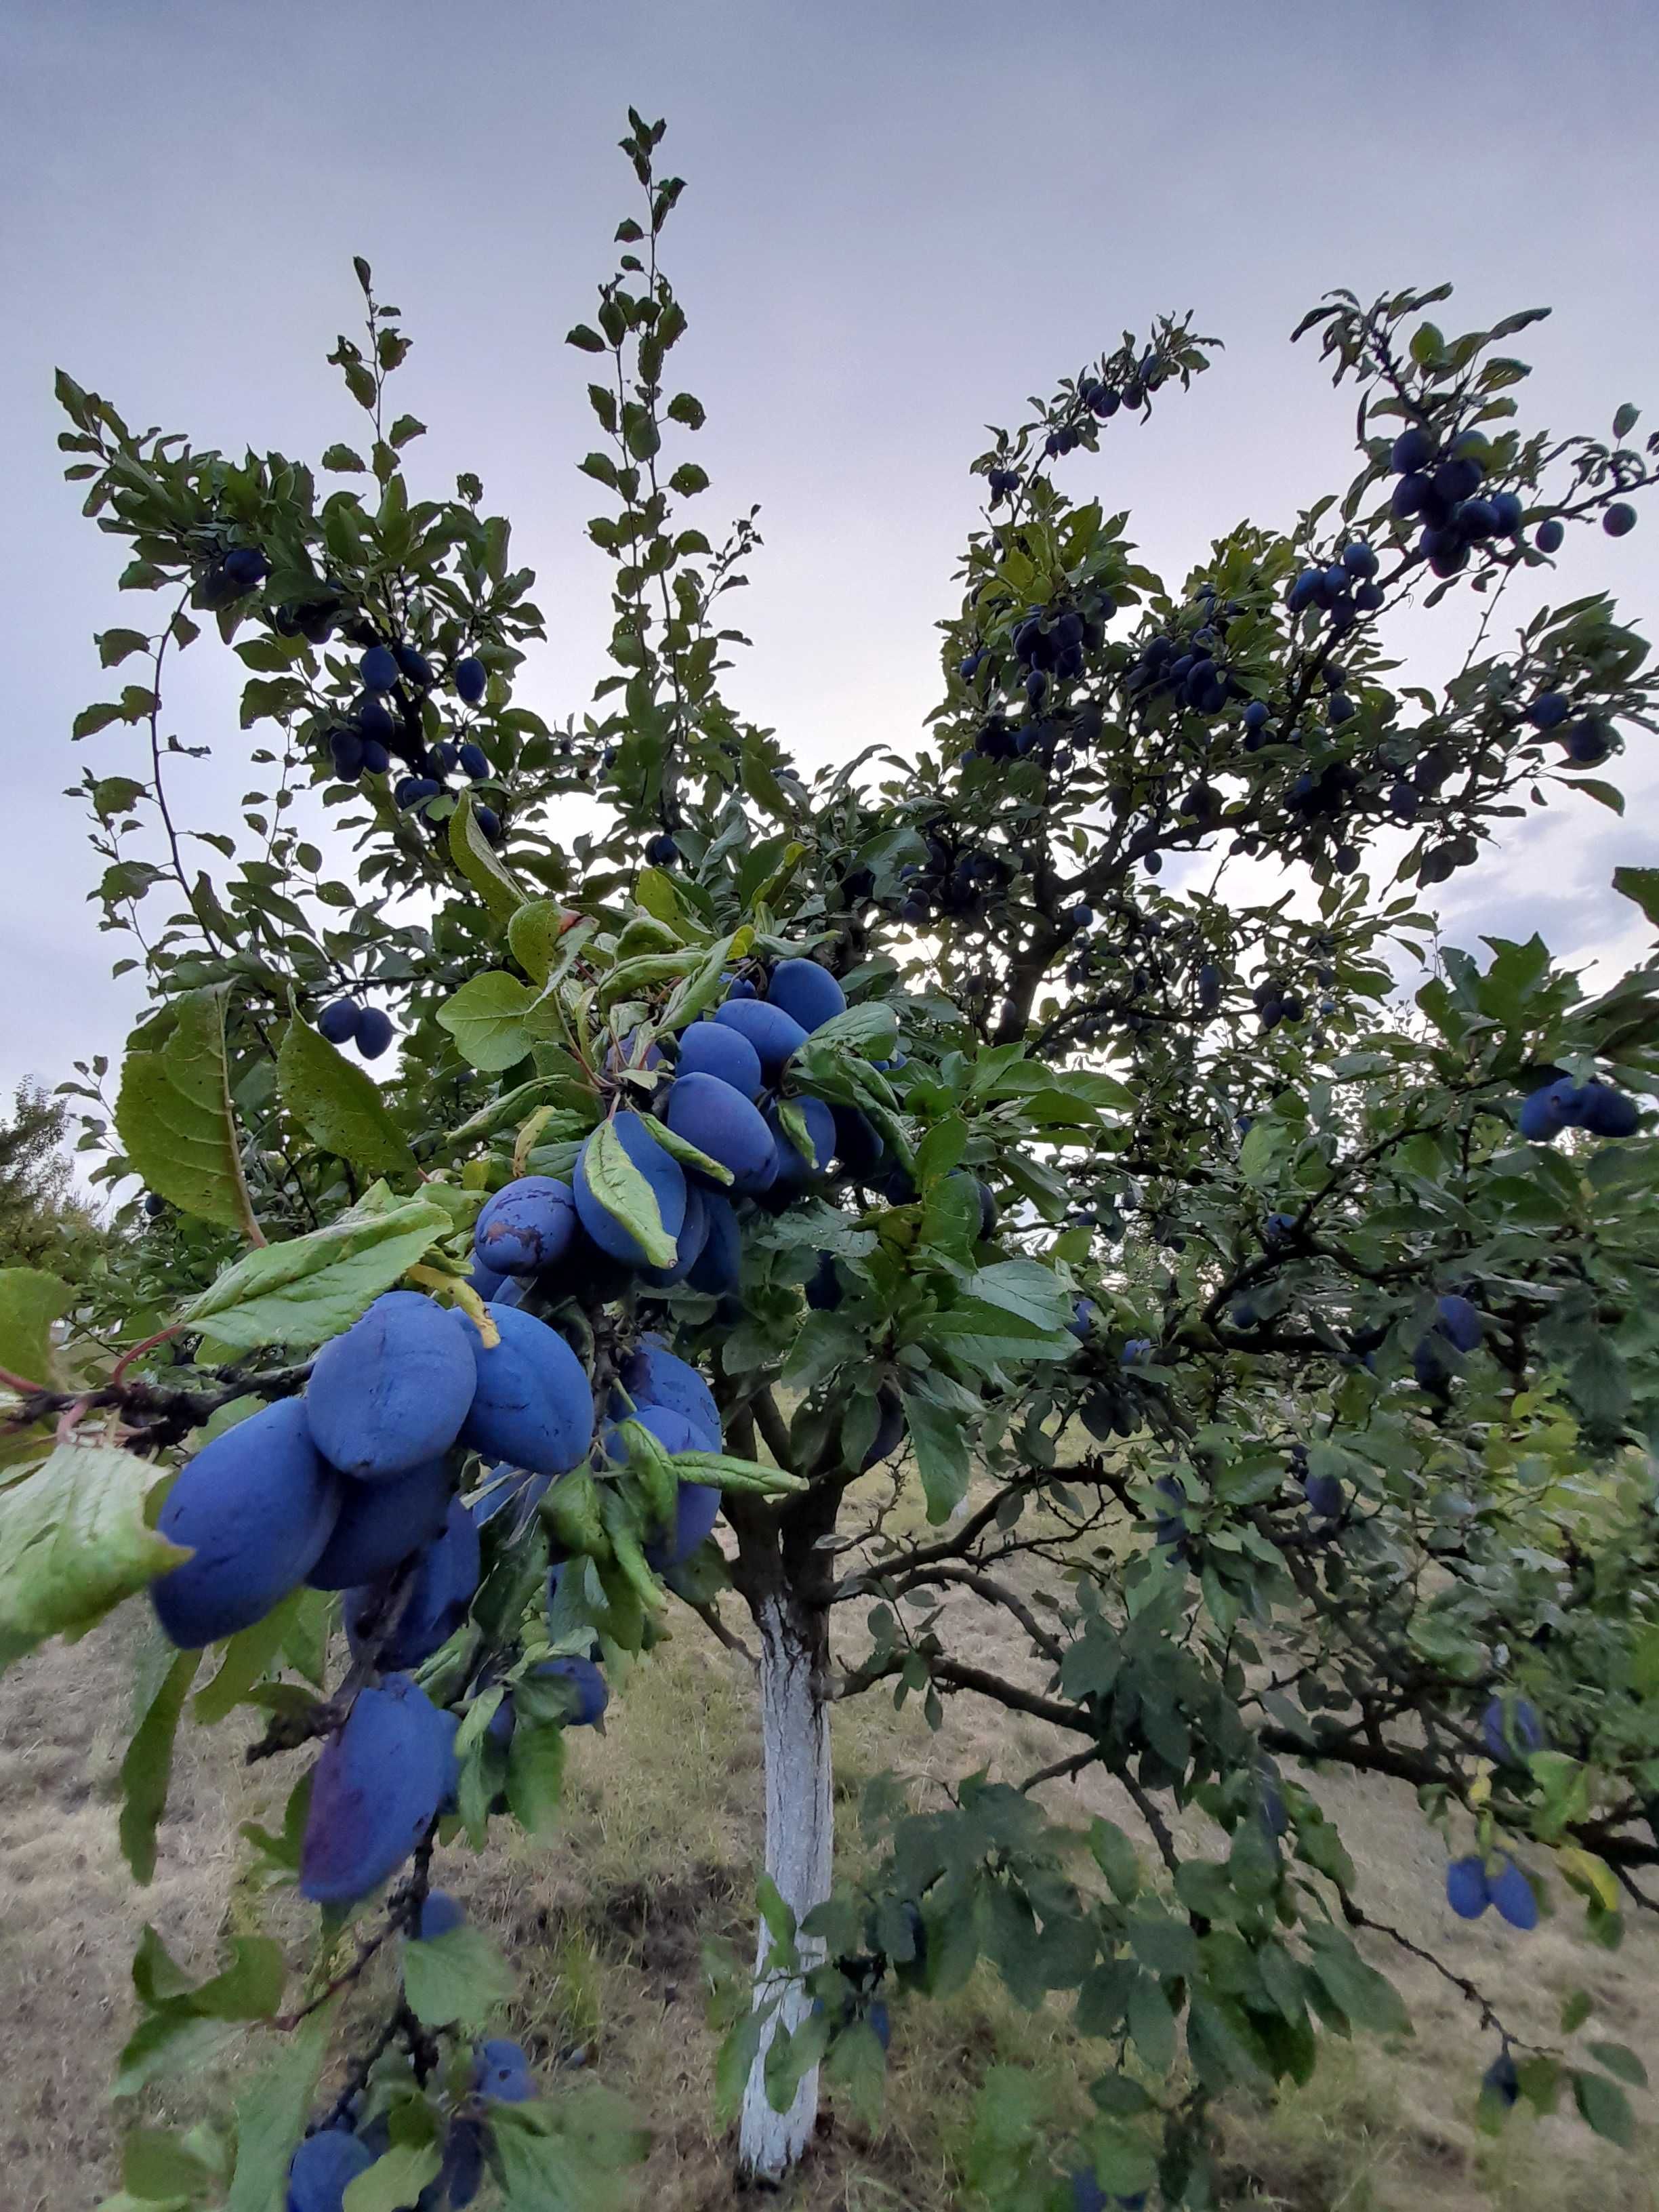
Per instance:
(900,219)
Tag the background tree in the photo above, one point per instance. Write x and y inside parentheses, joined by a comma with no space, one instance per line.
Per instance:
(39,1214)
(1307,1374)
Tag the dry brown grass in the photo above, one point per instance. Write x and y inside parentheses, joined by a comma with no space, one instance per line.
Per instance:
(605,1925)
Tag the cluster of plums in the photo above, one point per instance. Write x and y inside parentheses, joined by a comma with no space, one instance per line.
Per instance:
(1442,491)
(1343,591)
(1587,741)
(366,741)
(953,881)
(348,1021)
(328,2161)
(236,573)
(1561,1104)
(1472,1883)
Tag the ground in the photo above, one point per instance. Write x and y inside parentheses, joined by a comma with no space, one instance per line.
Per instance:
(605,1923)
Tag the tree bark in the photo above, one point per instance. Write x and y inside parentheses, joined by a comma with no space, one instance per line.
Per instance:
(800,1845)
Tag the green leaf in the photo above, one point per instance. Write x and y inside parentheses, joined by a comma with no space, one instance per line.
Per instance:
(248,1656)
(457,1976)
(115,646)
(161,2167)
(1641,884)
(339,1106)
(1026,1289)
(175,1119)
(736,2060)
(587,340)
(1603,2107)
(147,1768)
(1620,2060)
(341,460)
(487,1018)
(939,1440)
(567,2154)
(686,1154)
(475,856)
(535,1774)
(271,2110)
(626,1195)
(396,2179)
(74,1541)
(302,1292)
(30,1301)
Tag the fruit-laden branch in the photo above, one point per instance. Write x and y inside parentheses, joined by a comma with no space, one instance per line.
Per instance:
(157,1417)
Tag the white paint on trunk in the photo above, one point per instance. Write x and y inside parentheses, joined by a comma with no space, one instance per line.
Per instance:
(799,1853)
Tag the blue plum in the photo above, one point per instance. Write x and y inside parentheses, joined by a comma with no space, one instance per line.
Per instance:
(526,1226)
(719,1120)
(534,1405)
(588,1693)
(413,664)
(440,1913)
(440,1589)
(472,760)
(1510,1728)
(375,1032)
(256,1506)
(653,1377)
(859,1146)
(375,1790)
(376,759)
(661,1171)
(718,1269)
(1606,1112)
(711,1047)
(794,1170)
(1412,449)
(1549,535)
(774,1033)
(345,750)
(323,2169)
(380,1523)
(378,669)
(823,1285)
(1509,1891)
(339,1022)
(501,2073)
(661,851)
(1460,1320)
(809,994)
(689,1243)
(1619,520)
(1465,1887)
(1546,1111)
(471,679)
(392,1391)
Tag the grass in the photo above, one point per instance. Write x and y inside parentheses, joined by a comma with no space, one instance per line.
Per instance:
(605,1924)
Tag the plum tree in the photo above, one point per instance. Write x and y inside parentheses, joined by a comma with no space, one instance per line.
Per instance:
(1368,1382)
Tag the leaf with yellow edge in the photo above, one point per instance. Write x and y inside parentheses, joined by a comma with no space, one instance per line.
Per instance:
(1589,1875)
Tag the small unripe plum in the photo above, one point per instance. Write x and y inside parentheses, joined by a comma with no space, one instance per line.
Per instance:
(413,664)
(534,1405)
(1256,714)
(661,852)
(379,669)
(1508,1888)
(717,1272)
(526,1226)
(661,1171)
(375,1790)
(376,759)
(440,1913)
(472,760)
(806,991)
(255,1506)
(1619,520)
(722,1122)
(1589,742)
(1359,559)
(774,1033)
(653,1377)
(380,1523)
(1503,2079)
(1507,507)
(245,565)
(471,679)
(1548,536)
(712,1047)
(338,1022)
(392,1391)
(1325,1496)
(154,1204)
(323,2169)
(1549,710)
(1465,1887)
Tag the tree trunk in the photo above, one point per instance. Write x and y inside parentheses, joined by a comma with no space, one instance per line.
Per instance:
(800,1843)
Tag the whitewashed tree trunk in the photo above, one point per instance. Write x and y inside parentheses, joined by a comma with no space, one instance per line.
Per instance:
(799,1851)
